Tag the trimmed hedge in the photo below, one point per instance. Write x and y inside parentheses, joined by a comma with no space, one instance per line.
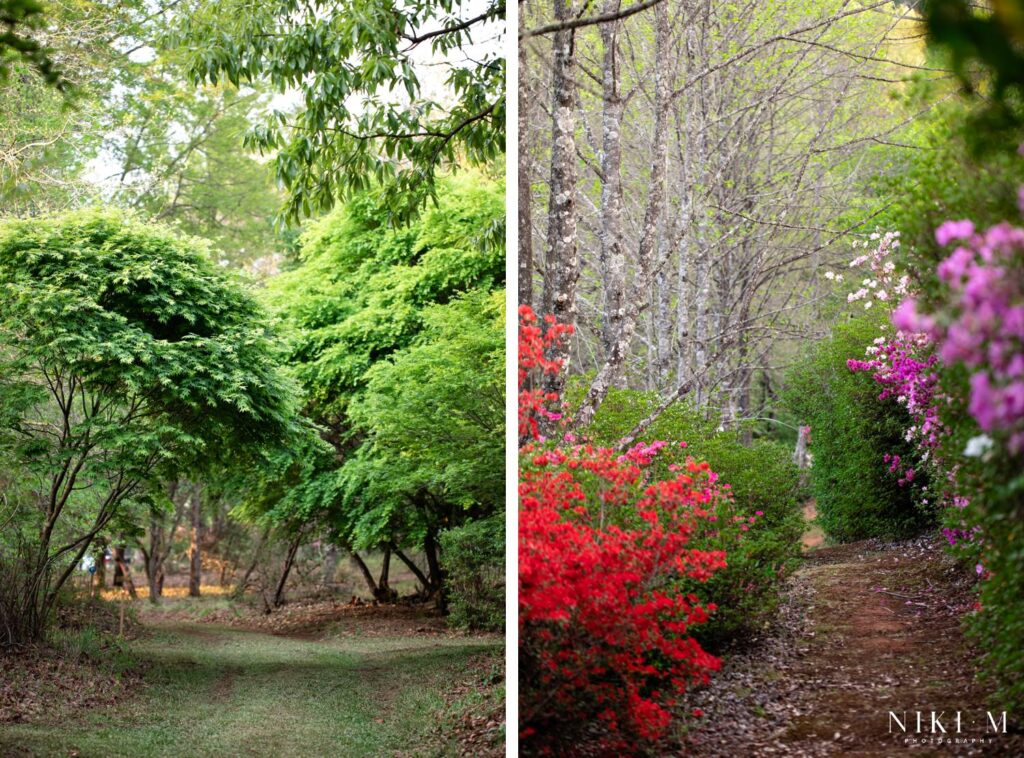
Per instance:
(851,432)
(762,478)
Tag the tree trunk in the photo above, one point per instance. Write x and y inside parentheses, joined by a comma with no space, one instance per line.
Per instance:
(101,566)
(195,559)
(289,561)
(524,187)
(383,585)
(615,362)
(413,568)
(436,575)
(152,558)
(365,571)
(118,565)
(126,575)
(561,263)
(662,316)
(612,256)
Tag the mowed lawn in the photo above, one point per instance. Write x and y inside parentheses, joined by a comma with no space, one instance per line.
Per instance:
(217,691)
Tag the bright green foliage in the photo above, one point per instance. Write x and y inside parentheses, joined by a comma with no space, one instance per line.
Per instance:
(851,430)
(762,478)
(397,336)
(291,487)
(361,289)
(475,560)
(995,485)
(367,117)
(433,418)
(942,181)
(125,356)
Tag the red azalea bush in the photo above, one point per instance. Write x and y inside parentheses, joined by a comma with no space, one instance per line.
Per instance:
(607,568)
(535,405)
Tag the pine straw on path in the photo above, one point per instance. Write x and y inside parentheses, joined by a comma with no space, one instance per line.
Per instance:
(868,629)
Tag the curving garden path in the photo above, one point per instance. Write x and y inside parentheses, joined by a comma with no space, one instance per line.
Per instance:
(869,628)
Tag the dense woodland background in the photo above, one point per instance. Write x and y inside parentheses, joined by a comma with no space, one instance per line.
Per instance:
(698,169)
(252,333)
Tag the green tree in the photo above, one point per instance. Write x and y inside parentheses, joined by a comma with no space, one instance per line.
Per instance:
(433,423)
(361,288)
(371,307)
(181,161)
(126,358)
(366,72)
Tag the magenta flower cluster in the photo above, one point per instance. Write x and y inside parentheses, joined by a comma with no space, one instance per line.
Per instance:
(982,323)
(904,363)
(906,370)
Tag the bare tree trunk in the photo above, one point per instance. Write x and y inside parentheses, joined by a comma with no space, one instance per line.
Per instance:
(126,575)
(119,565)
(365,571)
(702,252)
(608,375)
(800,456)
(436,574)
(612,259)
(101,565)
(195,564)
(413,568)
(153,580)
(524,176)
(561,265)
(662,317)
(289,561)
(383,584)
(385,569)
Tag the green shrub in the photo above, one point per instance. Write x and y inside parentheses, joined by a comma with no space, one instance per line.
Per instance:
(851,432)
(998,626)
(994,485)
(765,480)
(762,477)
(474,559)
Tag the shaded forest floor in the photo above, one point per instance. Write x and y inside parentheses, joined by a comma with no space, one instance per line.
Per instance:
(868,628)
(321,679)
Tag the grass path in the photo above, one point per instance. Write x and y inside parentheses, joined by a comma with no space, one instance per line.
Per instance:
(218,691)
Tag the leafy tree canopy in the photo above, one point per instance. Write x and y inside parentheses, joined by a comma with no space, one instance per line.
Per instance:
(140,321)
(434,420)
(126,358)
(395,334)
(361,289)
(369,114)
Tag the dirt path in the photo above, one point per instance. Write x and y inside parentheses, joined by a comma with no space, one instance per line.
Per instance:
(870,629)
